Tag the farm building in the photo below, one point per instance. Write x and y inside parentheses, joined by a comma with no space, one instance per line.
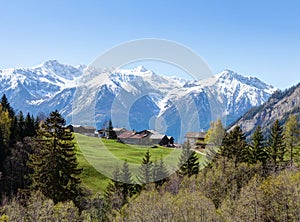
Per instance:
(146,137)
(103,133)
(196,139)
(119,131)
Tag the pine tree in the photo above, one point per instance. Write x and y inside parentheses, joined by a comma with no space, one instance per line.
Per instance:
(5,148)
(113,191)
(258,147)
(234,146)
(20,126)
(110,130)
(54,164)
(292,137)
(5,135)
(14,132)
(121,187)
(6,106)
(276,145)
(115,184)
(2,158)
(145,171)
(188,161)
(160,173)
(29,126)
(127,186)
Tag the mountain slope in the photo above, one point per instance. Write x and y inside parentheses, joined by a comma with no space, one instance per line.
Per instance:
(136,99)
(279,106)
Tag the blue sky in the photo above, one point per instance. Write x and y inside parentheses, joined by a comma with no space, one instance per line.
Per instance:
(258,38)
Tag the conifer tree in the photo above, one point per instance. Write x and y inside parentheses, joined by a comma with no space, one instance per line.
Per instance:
(276,145)
(5,148)
(127,186)
(188,161)
(121,187)
(160,173)
(20,126)
(5,135)
(6,106)
(145,171)
(2,158)
(30,127)
(110,130)
(258,147)
(113,190)
(54,164)
(234,146)
(292,137)
(14,132)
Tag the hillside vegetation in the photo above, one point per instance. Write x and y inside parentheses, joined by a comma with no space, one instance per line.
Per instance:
(279,106)
(95,153)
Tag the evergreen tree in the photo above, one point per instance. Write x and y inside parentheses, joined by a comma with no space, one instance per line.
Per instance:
(20,126)
(2,158)
(234,146)
(258,147)
(121,187)
(115,184)
(29,126)
(54,164)
(14,132)
(5,148)
(276,145)
(6,106)
(145,171)
(160,173)
(110,130)
(5,125)
(188,161)
(127,186)
(292,137)
(113,191)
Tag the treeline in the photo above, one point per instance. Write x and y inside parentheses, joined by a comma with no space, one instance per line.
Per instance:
(238,180)
(37,163)
(40,178)
(15,148)
(241,181)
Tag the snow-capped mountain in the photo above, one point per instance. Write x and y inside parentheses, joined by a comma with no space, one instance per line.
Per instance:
(28,88)
(136,99)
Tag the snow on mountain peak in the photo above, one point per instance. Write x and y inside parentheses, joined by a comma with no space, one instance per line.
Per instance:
(139,69)
(51,63)
(231,77)
(52,85)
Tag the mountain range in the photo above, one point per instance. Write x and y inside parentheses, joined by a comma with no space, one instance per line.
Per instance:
(133,98)
(279,106)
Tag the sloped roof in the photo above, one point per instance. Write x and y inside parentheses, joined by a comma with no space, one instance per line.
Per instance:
(195,135)
(126,134)
(120,129)
(157,136)
(142,134)
(84,127)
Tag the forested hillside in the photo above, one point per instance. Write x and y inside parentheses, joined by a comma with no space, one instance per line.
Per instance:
(255,180)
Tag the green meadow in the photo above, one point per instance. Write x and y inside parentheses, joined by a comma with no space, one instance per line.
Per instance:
(100,157)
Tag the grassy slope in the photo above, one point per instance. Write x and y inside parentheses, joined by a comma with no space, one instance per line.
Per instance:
(97,157)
